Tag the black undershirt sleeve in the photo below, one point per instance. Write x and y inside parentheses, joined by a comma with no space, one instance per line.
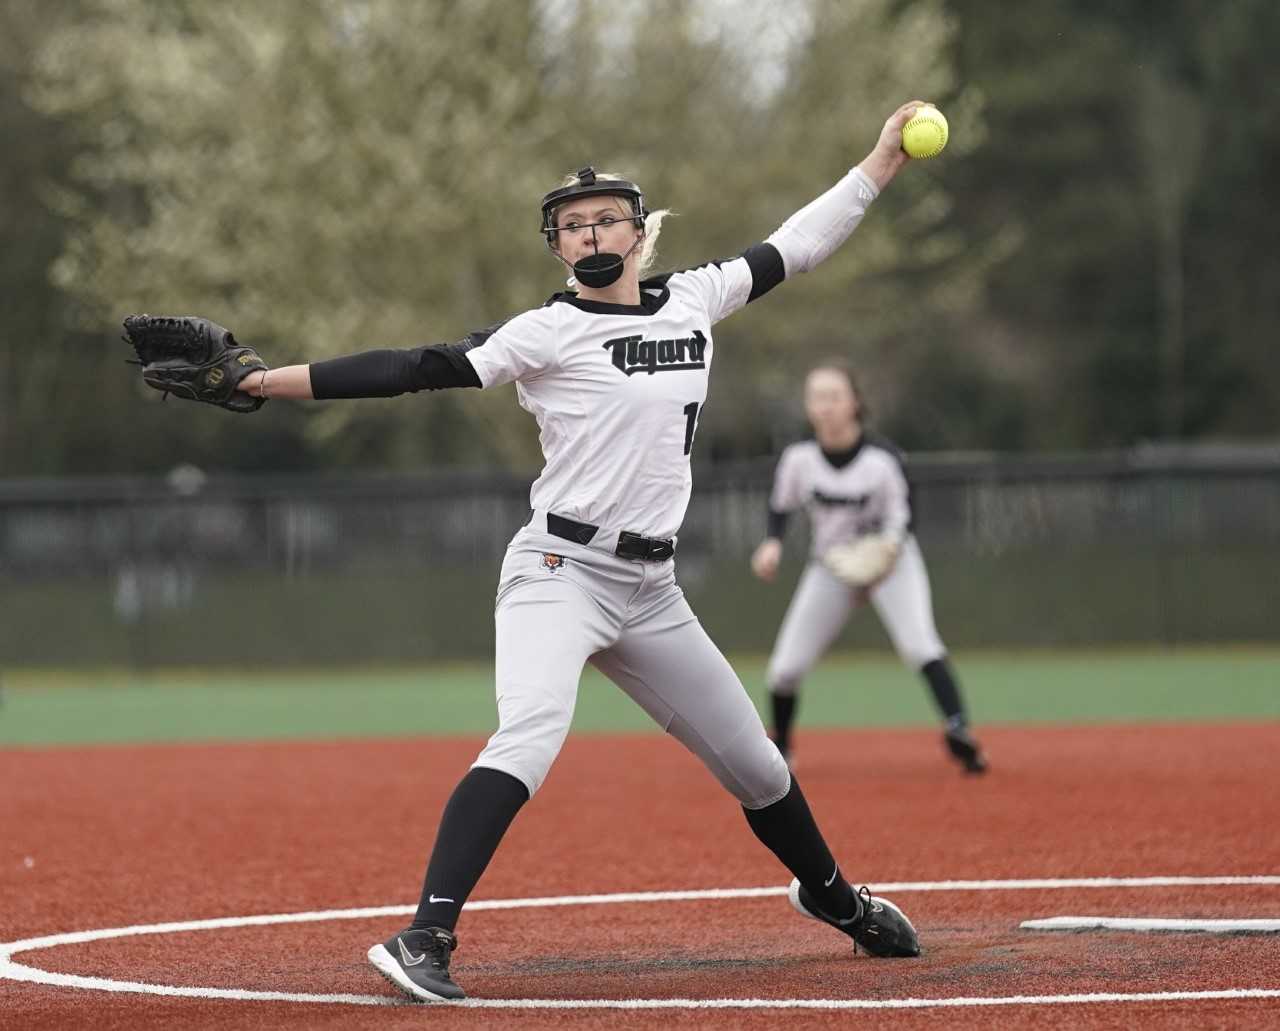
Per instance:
(777,525)
(767,269)
(387,373)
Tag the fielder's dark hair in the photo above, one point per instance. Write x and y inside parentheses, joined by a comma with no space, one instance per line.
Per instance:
(845,369)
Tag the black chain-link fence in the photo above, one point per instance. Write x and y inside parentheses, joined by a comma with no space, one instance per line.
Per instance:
(1143,547)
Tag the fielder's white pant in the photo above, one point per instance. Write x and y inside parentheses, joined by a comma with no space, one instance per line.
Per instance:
(631,621)
(822,605)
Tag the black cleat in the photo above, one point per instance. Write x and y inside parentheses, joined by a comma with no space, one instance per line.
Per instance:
(417,962)
(880,927)
(965,749)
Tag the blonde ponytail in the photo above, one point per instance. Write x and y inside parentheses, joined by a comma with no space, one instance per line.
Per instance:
(649,248)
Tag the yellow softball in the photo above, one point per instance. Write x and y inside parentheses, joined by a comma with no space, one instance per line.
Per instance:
(926,133)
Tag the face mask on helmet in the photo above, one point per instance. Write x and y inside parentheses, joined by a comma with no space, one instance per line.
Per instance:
(599,269)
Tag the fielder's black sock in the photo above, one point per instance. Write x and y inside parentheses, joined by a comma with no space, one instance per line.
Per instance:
(476,817)
(788,830)
(946,692)
(784,714)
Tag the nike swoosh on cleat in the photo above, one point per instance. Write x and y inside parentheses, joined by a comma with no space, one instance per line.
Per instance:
(407,957)
(832,879)
(438,898)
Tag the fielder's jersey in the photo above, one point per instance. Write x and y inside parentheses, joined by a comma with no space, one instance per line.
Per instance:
(866,494)
(617,391)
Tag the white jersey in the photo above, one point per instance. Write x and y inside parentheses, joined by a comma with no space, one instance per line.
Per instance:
(867,494)
(617,391)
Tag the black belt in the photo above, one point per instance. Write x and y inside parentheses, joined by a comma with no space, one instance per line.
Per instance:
(630,545)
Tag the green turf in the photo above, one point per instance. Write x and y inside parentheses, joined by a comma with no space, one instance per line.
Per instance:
(1032,687)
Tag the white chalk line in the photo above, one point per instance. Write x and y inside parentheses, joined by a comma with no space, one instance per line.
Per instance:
(21,972)
(1132,923)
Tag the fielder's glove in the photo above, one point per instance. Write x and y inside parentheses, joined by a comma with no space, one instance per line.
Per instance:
(864,562)
(194,359)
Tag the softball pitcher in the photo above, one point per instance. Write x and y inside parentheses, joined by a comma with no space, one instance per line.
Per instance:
(615,373)
(858,501)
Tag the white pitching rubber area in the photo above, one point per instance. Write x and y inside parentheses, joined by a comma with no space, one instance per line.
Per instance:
(1132,923)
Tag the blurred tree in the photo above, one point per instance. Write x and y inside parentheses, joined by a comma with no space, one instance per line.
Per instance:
(740,120)
(1232,373)
(1131,143)
(329,176)
(1088,264)
(322,177)
(1171,168)
(33,341)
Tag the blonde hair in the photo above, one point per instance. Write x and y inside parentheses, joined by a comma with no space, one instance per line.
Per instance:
(648,256)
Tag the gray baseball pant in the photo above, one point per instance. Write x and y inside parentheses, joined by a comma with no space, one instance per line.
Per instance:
(561,605)
(822,605)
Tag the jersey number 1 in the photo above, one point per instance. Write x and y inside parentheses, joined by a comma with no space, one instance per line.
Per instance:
(691,411)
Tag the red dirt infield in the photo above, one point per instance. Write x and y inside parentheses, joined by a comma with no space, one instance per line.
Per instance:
(113,836)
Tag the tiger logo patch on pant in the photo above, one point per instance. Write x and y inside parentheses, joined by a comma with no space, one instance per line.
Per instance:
(553,563)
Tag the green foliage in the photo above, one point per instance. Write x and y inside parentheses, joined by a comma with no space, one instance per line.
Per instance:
(322,177)
(1131,144)
(1089,263)
(34,344)
(325,177)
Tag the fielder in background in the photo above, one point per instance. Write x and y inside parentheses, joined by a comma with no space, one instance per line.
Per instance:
(854,490)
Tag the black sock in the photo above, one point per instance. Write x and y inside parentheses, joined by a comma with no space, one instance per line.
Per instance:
(946,692)
(789,832)
(476,817)
(784,713)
